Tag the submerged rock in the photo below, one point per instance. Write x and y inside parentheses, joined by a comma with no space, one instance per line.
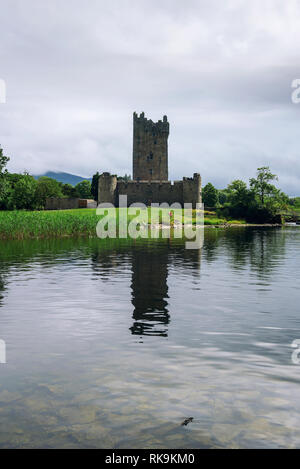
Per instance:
(187,421)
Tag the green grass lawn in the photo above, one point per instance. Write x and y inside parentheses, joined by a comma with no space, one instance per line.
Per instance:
(80,222)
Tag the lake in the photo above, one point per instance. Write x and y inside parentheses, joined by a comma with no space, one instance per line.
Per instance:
(113,343)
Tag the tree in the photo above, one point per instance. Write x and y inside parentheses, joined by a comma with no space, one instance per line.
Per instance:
(94,186)
(294,201)
(4,185)
(210,195)
(239,199)
(46,187)
(69,191)
(238,193)
(23,196)
(125,178)
(222,196)
(261,184)
(13,178)
(84,189)
(11,181)
(279,201)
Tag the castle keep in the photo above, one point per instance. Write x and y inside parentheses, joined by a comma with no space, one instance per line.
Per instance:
(150,171)
(150,149)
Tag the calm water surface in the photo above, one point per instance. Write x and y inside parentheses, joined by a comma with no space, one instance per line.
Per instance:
(112,344)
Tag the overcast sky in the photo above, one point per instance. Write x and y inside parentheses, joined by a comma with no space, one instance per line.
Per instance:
(76,70)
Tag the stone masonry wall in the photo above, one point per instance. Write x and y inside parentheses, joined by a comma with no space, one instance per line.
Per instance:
(186,191)
(57,203)
(151,192)
(150,149)
(61,203)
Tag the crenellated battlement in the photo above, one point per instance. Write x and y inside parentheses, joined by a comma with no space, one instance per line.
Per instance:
(141,123)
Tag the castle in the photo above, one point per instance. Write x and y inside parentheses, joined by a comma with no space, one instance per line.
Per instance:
(150,171)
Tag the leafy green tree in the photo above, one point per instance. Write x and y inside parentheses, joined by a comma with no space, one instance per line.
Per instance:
(125,178)
(261,184)
(295,202)
(277,202)
(4,184)
(210,195)
(222,196)
(11,181)
(23,195)
(94,187)
(239,199)
(84,189)
(69,191)
(13,178)
(3,162)
(270,200)
(46,187)
(238,193)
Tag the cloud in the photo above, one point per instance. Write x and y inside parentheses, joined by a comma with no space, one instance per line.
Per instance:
(221,71)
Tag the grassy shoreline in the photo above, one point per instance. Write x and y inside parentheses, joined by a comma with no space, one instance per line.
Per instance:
(78,222)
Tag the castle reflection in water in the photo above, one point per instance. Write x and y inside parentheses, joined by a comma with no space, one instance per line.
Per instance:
(154,266)
(150,266)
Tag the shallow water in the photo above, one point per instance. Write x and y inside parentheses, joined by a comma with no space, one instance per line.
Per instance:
(112,344)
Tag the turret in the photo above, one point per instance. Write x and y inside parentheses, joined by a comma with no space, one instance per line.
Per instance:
(107,188)
(191,188)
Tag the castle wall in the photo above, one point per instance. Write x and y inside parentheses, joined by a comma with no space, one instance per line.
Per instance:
(65,203)
(150,149)
(147,192)
(59,203)
(151,192)
(191,188)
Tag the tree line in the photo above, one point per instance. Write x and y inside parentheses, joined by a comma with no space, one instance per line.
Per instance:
(23,191)
(258,201)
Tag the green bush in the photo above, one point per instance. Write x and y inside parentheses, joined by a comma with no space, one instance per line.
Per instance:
(69,191)
(46,187)
(23,194)
(209,195)
(84,189)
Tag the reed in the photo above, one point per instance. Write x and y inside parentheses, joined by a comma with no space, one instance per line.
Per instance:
(59,223)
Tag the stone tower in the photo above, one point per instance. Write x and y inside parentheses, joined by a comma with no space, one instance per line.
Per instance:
(150,149)
(107,186)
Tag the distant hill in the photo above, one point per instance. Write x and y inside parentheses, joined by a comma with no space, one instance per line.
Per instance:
(66,178)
